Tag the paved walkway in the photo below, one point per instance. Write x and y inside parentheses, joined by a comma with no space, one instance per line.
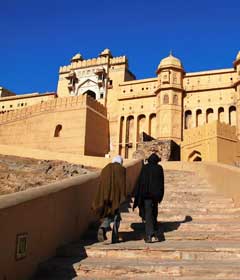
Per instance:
(200,240)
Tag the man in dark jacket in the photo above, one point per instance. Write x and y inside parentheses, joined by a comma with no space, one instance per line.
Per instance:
(148,193)
(111,193)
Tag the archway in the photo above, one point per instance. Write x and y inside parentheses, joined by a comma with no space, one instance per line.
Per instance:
(199,118)
(221,114)
(153,125)
(141,125)
(90,93)
(195,156)
(209,116)
(232,115)
(188,119)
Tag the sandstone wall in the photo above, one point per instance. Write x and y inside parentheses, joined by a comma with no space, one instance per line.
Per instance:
(35,126)
(212,142)
(51,216)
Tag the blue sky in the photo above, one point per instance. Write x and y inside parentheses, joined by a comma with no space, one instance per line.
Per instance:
(36,37)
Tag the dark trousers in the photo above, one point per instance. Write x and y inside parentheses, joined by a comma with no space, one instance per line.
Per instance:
(115,219)
(151,213)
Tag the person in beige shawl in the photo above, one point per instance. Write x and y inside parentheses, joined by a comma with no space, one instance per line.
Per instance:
(110,194)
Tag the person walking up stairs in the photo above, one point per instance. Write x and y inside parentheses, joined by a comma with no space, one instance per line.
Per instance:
(202,240)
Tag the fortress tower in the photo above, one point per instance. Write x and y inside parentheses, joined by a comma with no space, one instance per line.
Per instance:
(169,99)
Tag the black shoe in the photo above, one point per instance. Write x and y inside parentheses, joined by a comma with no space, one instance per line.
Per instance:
(101,235)
(148,239)
(115,238)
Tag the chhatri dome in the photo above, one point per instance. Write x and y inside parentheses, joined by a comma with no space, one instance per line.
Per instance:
(238,56)
(170,61)
(77,57)
(105,53)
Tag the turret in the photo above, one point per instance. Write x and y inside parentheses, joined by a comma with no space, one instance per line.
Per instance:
(170,94)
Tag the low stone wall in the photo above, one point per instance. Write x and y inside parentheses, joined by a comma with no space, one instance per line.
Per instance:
(48,217)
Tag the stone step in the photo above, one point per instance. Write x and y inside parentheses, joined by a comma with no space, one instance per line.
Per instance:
(150,277)
(179,217)
(91,236)
(184,211)
(185,226)
(116,268)
(169,250)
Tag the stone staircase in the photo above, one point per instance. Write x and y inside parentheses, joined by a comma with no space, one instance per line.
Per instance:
(200,240)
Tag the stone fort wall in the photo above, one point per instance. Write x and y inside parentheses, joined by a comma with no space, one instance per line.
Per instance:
(214,141)
(62,124)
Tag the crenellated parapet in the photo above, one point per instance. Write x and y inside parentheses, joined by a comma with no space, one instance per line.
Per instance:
(58,104)
(213,129)
(118,60)
(92,62)
(82,64)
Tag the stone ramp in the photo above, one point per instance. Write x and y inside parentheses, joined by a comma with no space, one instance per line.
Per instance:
(200,240)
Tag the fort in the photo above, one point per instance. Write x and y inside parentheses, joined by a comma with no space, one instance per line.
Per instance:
(198,111)
(100,109)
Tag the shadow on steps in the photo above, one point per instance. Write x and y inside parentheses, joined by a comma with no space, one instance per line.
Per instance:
(138,232)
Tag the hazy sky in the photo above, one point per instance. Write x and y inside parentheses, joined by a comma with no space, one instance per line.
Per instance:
(36,37)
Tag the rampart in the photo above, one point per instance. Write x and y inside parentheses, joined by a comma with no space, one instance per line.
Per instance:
(57,104)
(48,217)
(61,125)
(214,141)
(92,62)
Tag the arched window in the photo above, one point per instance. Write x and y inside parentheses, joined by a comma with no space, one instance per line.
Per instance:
(166,99)
(129,137)
(90,93)
(199,120)
(153,125)
(141,126)
(175,99)
(221,114)
(57,130)
(188,119)
(129,129)
(209,115)
(232,115)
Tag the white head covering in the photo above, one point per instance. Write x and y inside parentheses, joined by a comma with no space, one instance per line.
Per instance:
(118,159)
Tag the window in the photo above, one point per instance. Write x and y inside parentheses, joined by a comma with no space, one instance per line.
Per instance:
(175,99)
(57,130)
(110,82)
(165,99)
(101,95)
